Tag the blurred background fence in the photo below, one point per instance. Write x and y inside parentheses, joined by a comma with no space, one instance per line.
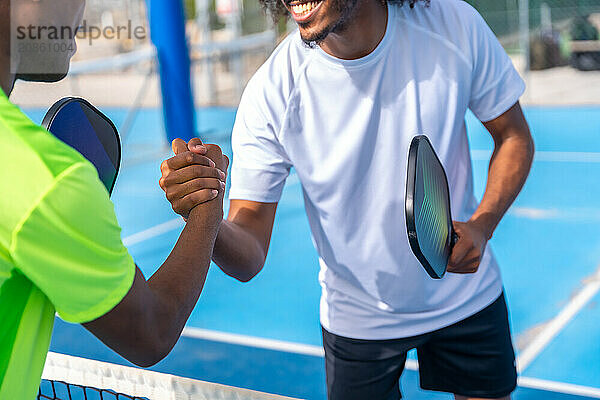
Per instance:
(555,44)
(547,30)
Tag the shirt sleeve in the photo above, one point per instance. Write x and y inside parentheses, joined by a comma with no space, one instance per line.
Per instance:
(260,165)
(496,85)
(70,247)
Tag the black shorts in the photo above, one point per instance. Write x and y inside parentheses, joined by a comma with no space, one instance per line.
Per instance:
(473,358)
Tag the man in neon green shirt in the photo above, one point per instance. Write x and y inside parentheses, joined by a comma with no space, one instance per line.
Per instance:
(60,243)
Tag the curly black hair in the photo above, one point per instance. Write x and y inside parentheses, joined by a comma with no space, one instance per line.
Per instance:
(276,9)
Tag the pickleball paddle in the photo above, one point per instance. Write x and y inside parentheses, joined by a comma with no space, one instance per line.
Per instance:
(428,216)
(80,125)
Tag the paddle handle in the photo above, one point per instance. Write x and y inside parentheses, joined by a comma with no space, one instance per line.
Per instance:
(454,238)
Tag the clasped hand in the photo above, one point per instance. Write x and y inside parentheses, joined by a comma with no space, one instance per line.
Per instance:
(195,175)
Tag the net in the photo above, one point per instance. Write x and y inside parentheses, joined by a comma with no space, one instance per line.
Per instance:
(73,378)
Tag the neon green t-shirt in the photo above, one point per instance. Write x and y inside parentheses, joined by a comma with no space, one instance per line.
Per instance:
(60,247)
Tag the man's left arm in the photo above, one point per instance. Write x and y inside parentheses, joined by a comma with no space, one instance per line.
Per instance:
(508,170)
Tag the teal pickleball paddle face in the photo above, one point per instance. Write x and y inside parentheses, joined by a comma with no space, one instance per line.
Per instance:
(429,220)
(91,133)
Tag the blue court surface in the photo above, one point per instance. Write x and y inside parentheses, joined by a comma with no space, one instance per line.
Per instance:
(265,334)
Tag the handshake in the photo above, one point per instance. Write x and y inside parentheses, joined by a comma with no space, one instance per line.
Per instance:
(195,175)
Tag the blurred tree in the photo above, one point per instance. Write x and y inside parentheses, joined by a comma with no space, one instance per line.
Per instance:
(190,9)
(583,29)
(498,14)
(253,18)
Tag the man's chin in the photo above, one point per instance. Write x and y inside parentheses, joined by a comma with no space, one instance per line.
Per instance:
(47,78)
(313,39)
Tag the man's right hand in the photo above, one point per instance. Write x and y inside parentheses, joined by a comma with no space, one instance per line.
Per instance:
(195,175)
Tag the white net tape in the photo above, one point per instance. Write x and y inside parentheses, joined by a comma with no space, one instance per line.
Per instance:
(136,382)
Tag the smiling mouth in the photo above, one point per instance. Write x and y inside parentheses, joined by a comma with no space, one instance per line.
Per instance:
(302,11)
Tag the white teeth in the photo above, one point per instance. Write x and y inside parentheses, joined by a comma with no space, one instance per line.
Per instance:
(304,8)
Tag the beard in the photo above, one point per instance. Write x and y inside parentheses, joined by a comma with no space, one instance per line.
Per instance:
(346,10)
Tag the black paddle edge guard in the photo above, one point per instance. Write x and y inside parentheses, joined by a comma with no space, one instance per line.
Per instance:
(410,210)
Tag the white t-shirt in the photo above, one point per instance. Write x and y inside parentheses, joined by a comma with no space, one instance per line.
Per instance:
(345,126)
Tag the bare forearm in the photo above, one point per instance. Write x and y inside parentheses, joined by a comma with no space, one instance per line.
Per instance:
(179,281)
(146,324)
(237,252)
(508,170)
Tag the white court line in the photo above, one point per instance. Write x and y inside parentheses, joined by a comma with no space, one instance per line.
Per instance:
(153,232)
(252,341)
(539,384)
(535,213)
(579,214)
(559,387)
(413,365)
(176,223)
(549,156)
(558,323)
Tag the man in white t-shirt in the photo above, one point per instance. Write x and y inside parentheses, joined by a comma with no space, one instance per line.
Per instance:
(340,100)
